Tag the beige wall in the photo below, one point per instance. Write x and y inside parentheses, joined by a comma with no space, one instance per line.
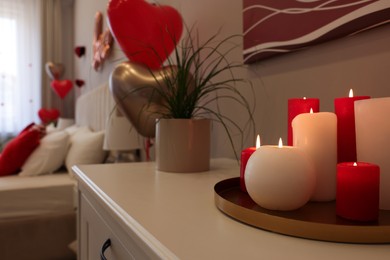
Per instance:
(326,71)
(85,11)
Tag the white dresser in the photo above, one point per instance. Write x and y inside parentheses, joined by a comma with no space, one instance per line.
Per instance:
(148,214)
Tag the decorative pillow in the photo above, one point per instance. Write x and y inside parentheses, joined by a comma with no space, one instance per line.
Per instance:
(51,128)
(62,124)
(72,130)
(86,148)
(49,156)
(28,127)
(17,151)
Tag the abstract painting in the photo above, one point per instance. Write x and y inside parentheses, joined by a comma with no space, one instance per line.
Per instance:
(275,27)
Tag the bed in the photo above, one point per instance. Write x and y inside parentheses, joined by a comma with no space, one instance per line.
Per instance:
(37,214)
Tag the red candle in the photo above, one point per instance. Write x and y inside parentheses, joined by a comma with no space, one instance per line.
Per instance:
(298,106)
(346,134)
(357,195)
(245,155)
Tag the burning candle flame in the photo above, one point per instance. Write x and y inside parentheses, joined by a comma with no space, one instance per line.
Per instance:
(304,97)
(354,164)
(350,93)
(257,142)
(311,110)
(280,143)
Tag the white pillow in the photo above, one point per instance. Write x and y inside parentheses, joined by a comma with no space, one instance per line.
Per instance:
(50,128)
(49,156)
(71,130)
(86,148)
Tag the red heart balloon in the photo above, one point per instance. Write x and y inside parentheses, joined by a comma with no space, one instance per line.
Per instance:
(146,33)
(48,115)
(61,87)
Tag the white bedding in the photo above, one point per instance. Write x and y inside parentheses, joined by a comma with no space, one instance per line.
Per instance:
(23,196)
(37,213)
(27,196)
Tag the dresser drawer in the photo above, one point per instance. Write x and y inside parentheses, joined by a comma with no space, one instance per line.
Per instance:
(94,231)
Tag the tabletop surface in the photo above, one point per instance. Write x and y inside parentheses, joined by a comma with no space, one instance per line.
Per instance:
(176,213)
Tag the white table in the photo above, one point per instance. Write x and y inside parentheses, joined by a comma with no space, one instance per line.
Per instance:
(152,214)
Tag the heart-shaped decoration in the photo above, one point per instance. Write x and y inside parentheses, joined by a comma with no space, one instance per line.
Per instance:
(54,70)
(61,87)
(79,82)
(147,33)
(136,89)
(48,116)
(102,42)
(79,51)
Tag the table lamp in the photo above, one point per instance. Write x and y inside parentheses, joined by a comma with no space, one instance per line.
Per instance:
(121,138)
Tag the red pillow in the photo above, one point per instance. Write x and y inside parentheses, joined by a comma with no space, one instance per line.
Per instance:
(17,151)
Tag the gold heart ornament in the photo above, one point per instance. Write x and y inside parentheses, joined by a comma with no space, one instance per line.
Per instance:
(54,70)
(136,90)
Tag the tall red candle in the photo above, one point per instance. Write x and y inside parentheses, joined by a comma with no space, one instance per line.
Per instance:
(357,193)
(346,134)
(298,106)
(245,155)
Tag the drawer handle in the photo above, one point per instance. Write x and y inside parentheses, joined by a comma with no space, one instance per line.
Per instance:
(106,245)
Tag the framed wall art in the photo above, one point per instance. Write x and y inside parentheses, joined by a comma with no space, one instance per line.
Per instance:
(276,27)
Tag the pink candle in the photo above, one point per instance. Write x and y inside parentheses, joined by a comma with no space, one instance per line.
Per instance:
(346,134)
(357,195)
(298,106)
(315,133)
(245,155)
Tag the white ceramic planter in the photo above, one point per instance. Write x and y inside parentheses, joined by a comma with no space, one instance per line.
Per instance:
(183,145)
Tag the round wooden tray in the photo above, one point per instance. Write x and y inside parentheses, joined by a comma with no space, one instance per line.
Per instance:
(315,220)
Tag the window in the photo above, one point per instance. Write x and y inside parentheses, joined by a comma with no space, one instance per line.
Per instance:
(8,71)
(20,64)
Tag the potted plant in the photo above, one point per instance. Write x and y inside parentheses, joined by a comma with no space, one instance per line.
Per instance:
(182,98)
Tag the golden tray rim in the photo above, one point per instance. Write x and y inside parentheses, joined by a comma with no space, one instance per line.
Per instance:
(315,220)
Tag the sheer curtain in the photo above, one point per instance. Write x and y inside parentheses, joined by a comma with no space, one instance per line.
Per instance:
(20,64)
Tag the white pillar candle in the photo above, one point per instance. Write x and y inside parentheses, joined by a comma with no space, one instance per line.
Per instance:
(373,140)
(279,177)
(316,133)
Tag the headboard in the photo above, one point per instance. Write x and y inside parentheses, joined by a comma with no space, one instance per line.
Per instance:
(94,108)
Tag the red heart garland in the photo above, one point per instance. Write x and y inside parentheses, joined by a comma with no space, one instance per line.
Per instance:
(79,51)
(146,33)
(79,82)
(61,87)
(48,115)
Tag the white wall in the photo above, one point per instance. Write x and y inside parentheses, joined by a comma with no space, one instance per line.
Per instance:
(85,11)
(326,71)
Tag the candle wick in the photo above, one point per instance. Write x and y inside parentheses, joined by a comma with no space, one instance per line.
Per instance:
(280,143)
